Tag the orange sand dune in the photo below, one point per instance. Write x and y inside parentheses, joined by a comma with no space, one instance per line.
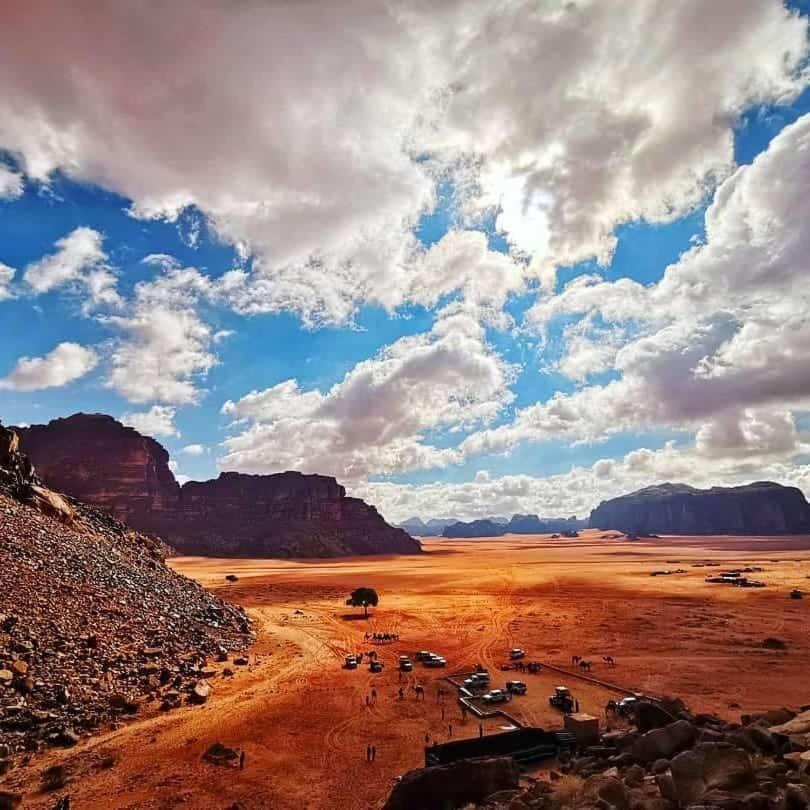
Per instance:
(303,721)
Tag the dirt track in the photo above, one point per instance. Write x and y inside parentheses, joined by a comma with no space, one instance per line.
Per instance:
(304,723)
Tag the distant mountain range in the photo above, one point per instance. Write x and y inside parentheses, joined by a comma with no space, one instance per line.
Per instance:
(493,526)
(762,508)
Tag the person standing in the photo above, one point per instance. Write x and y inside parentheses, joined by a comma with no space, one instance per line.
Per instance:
(368,753)
(373,753)
(480,729)
(241,760)
(449,729)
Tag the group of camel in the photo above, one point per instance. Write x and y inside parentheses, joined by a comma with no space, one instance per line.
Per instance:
(381,637)
(585,666)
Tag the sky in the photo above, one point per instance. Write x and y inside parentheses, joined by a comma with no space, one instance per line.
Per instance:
(469,258)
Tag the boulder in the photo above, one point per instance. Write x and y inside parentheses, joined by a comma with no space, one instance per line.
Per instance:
(199,694)
(454,785)
(663,743)
(799,724)
(707,767)
(608,789)
(54,778)
(796,798)
(650,715)
(220,754)
(9,800)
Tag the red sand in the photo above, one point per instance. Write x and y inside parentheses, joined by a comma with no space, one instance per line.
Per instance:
(303,722)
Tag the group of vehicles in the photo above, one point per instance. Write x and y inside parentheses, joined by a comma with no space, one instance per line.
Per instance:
(353,661)
(479,680)
(429,659)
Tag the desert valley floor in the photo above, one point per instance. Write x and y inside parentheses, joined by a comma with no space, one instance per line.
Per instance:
(303,721)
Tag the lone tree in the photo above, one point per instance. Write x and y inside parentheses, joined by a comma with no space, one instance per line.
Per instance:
(363,597)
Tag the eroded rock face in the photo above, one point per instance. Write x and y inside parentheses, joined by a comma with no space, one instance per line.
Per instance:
(760,508)
(97,460)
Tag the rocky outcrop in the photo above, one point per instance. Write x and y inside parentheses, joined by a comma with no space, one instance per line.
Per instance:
(96,459)
(699,761)
(762,508)
(92,621)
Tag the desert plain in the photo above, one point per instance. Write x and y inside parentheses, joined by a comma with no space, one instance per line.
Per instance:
(304,722)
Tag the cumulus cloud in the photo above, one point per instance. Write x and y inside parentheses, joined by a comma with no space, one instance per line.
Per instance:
(157,421)
(377,418)
(324,184)
(165,347)
(78,263)
(726,329)
(66,363)
(11,183)
(6,277)
(194,450)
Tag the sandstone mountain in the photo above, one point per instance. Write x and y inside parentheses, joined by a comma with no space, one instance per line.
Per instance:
(476,528)
(100,461)
(92,620)
(761,508)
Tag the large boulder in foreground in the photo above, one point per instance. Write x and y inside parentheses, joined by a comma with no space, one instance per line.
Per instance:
(98,460)
(663,743)
(760,508)
(449,786)
(707,767)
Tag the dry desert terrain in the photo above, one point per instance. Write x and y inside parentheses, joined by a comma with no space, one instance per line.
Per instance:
(303,721)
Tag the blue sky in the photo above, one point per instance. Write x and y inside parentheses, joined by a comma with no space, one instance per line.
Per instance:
(427,265)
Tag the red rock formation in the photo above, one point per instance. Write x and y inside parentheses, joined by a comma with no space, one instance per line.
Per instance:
(98,460)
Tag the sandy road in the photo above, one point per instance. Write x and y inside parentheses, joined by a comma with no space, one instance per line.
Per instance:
(303,722)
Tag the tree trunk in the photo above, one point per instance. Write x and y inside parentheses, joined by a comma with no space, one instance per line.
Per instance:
(365,609)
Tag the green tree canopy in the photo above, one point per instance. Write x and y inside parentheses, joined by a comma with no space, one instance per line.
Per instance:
(363,597)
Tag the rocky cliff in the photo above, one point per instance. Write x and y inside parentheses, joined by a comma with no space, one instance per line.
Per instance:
(762,508)
(98,460)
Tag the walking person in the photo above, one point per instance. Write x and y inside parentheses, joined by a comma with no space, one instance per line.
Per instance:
(241,760)
(449,729)
(373,753)
(368,753)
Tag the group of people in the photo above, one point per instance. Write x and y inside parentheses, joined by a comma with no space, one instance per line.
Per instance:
(371,753)
(381,637)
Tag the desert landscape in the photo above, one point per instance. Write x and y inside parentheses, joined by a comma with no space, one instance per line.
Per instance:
(302,718)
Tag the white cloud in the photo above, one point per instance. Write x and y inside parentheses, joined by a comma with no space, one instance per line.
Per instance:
(79,263)
(726,329)
(165,348)
(11,183)
(66,363)
(377,418)
(6,277)
(572,117)
(157,421)
(194,450)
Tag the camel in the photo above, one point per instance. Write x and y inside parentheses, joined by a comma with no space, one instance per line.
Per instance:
(420,691)
(585,666)
(608,659)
